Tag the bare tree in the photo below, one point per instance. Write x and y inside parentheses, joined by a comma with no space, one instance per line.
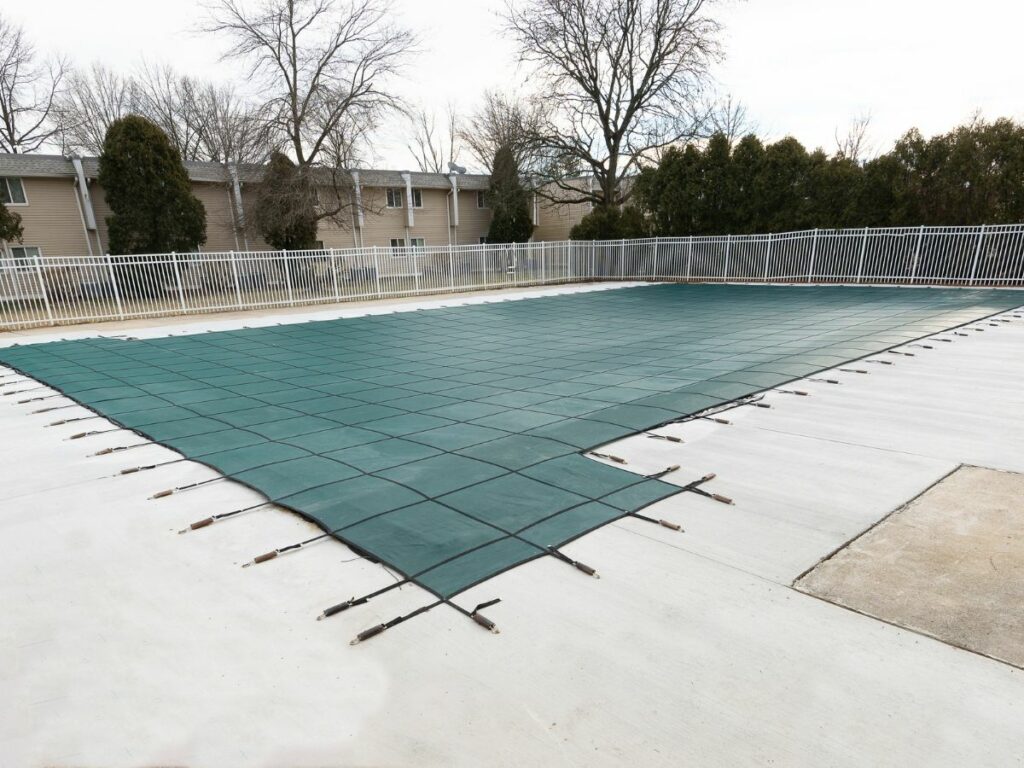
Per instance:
(232,130)
(432,147)
(505,120)
(324,63)
(171,100)
(29,91)
(94,99)
(730,119)
(621,79)
(855,145)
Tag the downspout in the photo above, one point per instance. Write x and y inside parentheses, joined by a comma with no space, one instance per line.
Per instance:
(81,216)
(359,207)
(83,193)
(236,189)
(453,223)
(85,208)
(410,220)
(234,220)
(85,203)
(448,214)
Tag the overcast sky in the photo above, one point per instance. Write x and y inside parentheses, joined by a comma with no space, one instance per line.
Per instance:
(802,67)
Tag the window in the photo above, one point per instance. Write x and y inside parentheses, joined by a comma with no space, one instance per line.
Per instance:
(24,252)
(12,191)
(483,239)
(417,198)
(398,243)
(481,199)
(394,198)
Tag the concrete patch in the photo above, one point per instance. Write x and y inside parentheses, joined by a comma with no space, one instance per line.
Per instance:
(950,565)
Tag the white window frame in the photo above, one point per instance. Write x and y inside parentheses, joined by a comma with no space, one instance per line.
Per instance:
(393,194)
(417,242)
(397,244)
(481,199)
(417,197)
(25,248)
(7,186)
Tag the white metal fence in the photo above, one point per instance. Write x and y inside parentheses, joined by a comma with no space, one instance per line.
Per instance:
(59,290)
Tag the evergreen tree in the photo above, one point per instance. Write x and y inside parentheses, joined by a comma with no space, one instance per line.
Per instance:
(670,191)
(780,188)
(747,162)
(10,224)
(285,210)
(509,201)
(715,208)
(609,223)
(971,175)
(147,188)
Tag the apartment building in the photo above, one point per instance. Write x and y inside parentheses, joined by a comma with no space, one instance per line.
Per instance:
(64,210)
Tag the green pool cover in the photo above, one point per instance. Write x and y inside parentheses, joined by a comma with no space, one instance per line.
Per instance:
(447,443)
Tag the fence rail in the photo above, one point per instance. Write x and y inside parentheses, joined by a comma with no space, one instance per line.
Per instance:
(57,290)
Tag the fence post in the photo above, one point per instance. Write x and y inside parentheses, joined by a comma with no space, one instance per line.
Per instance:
(689,260)
(767,257)
(334,275)
(451,269)
(728,251)
(415,268)
(287,274)
(543,262)
(376,270)
(977,254)
(238,283)
(917,254)
(177,281)
(814,255)
(42,289)
(115,288)
(593,260)
(622,259)
(863,249)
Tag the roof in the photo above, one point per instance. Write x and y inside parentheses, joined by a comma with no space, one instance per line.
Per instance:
(58,166)
(35,165)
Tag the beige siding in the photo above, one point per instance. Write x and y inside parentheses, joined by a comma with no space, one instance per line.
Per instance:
(53,223)
(51,219)
(473,221)
(102,211)
(220,227)
(556,219)
(430,222)
(251,239)
(380,222)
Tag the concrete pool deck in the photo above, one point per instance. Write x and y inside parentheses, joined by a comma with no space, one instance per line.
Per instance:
(127,644)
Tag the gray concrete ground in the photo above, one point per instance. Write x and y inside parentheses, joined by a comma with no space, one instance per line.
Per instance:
(949,564)
(126,644)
